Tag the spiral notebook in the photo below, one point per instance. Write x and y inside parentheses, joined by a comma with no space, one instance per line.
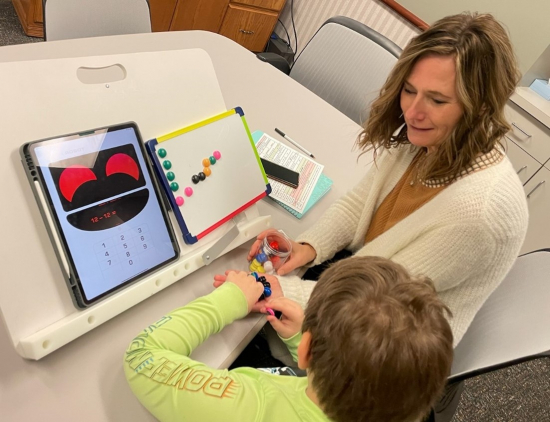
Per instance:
(322,185)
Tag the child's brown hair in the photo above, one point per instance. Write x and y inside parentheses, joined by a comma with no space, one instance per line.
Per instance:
(381,348)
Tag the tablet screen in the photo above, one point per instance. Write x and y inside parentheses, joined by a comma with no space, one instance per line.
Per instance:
(106,207)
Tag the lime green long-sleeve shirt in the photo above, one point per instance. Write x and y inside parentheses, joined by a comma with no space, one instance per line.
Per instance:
(174,387)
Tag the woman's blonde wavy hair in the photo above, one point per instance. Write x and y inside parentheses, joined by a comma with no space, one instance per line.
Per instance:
(486,76)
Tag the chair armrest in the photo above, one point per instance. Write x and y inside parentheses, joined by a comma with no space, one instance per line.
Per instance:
(275,60)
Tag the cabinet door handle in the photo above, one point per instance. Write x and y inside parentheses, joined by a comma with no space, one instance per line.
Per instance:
(521,169)
(535,188)
(521,130)
(246,32)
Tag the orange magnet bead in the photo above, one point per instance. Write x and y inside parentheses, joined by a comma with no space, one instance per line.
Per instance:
(206,163)
(207,171)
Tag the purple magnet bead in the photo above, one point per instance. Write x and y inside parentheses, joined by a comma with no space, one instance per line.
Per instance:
(217,155)
(179,201)
(188,191)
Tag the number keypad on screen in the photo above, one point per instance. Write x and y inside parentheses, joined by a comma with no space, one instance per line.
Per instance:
(124,249)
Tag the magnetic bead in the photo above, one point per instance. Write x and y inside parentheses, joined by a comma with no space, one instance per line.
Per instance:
(174,186)
(267,291)
(268,266)
(212,160)
(217,155)
(207,171)
(188,191)
(261,257)
(254,274)
(162,153)
(267,284)
(206,162)
(261,279)
(274,245)
(202,176)
(254,266)
(195,179)
(167,164)
(275,260)
(170,175)
(270,311)
(179,201)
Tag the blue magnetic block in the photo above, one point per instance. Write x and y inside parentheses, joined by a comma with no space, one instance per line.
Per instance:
(541,87)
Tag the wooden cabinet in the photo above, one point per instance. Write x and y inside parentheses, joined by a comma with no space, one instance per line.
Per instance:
(248,22)
(31,16)
(249,27)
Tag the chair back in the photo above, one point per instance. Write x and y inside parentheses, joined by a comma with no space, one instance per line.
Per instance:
(346,63)
(66,19)
(512,325)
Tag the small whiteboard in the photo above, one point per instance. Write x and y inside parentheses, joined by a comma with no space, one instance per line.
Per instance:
(235,180)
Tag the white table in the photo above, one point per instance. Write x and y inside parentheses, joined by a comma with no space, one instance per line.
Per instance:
(84,380)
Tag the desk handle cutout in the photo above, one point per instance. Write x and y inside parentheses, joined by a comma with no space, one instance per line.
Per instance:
(535,188)
(521,130)
(101,75)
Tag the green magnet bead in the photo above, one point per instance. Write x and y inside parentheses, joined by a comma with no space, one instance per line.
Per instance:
(212,160)
(162,153)
(167,164)
(170,175)
(174,186)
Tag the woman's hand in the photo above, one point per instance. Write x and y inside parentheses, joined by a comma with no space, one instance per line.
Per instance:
(301,253)
(276,290)
(291,321)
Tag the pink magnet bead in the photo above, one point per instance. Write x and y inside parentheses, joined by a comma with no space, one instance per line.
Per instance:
(179,201)
(217,155)
(270,311)
(188,191)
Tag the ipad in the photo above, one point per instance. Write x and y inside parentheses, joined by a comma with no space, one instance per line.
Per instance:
(102,209)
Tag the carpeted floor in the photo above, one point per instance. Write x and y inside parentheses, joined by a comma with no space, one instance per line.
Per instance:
(517,394)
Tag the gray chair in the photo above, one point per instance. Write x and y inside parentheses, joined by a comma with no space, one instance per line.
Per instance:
(66,19)
(511,327)
(345,63)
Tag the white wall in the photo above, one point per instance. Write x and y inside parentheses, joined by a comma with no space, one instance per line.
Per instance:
(527,21)
(309,15)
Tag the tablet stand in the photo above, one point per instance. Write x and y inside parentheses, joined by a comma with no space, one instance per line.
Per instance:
(161,92)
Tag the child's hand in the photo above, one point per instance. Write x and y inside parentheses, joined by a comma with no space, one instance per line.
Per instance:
(276,290)
(291,320)
(249,286)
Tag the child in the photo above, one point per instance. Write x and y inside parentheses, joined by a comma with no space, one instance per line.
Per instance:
(375,344)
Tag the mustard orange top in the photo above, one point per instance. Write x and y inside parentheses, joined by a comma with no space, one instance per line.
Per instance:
(409,194)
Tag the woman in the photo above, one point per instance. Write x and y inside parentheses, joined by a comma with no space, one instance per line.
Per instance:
(441,199)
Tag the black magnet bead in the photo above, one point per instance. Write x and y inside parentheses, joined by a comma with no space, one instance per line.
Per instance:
(202,176)
(195,179)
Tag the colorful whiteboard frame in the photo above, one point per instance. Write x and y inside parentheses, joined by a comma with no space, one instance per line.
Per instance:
(154,145)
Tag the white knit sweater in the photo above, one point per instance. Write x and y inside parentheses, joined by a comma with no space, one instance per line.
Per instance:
(465,239)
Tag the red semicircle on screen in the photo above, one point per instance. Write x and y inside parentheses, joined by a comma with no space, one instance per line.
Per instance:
(122,163)
(72,178)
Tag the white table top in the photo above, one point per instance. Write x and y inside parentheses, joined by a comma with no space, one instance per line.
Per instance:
(84,380)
